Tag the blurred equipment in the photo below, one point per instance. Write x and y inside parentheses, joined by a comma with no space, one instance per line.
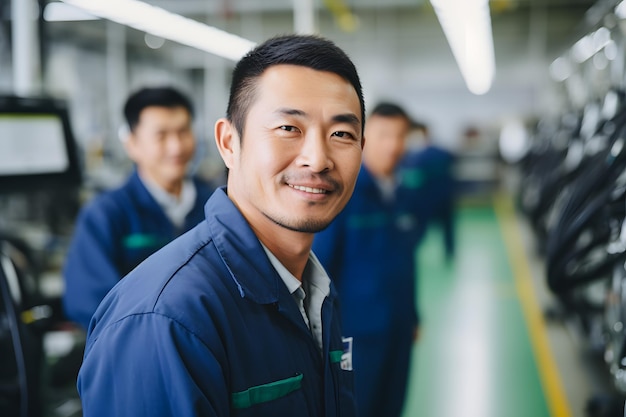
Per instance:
(573,192)
(21,347)
(40,176)
(37,150)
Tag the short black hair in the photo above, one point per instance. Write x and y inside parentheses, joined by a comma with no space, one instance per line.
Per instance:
(309,51)
(387,109)
(418,125)
(153,96)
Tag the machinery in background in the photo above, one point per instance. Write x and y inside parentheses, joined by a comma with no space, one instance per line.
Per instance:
(573,193)
(40,175)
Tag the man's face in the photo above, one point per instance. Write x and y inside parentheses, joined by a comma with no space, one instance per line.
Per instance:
(386,139)
(297,163)
(162,144)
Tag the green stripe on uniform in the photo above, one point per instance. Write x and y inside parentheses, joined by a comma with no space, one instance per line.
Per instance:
(335,356)
(266,392)
(138,240)
(367,221)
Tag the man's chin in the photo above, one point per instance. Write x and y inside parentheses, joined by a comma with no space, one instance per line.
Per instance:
(303,226)
(176,174)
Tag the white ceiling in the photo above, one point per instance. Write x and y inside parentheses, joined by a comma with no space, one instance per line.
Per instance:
(398,46)
(545,26)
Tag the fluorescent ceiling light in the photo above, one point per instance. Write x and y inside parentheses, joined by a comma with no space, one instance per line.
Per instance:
(159,22)
(61,12)
(467,26)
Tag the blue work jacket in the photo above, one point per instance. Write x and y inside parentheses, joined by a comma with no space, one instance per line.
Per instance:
(206,327)
(431,169)
(115,232)
(369,253)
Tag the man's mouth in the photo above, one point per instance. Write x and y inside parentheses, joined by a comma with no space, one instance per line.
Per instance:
(308,189)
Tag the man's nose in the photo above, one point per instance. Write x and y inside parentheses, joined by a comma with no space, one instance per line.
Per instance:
(176,142)
(315,153)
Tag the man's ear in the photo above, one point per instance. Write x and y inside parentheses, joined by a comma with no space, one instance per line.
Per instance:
(123,132)
(227,141)
(130,145)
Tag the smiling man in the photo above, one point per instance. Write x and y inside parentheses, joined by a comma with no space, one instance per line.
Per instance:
(237,317)
(158,202)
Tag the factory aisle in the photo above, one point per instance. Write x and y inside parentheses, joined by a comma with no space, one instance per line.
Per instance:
(484,349)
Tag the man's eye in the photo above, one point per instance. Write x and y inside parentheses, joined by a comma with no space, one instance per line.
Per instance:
(344,135)
(289,128)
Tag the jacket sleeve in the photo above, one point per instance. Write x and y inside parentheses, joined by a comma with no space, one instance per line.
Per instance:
(165,371)
(90,269)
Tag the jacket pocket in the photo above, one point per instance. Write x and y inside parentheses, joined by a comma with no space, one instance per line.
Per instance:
(266,392)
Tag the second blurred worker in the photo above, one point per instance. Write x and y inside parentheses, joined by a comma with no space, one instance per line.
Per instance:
(120,228)
(369,253)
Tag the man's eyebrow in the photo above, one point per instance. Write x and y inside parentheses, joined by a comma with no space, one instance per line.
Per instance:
(348,118)
(290,112)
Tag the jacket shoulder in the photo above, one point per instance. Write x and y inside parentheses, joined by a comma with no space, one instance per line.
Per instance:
(150,284)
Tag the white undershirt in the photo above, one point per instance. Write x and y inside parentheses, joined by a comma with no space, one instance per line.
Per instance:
(316,284)
(387,187)
(176,208)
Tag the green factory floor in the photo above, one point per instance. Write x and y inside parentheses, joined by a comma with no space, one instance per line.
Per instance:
(484,349)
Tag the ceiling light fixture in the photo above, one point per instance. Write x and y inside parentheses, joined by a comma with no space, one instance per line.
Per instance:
(61,12)
(159,22)
(467,26)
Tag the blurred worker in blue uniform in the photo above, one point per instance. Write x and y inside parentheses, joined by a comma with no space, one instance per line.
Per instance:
(120,228)
(237,317)
(430,167)
(369,252)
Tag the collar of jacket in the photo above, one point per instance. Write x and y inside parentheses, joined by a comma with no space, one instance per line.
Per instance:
(366,182)
(140,190)
(365,178)
(241,250)
(142,196)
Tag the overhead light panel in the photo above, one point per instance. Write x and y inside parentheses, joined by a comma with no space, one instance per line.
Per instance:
(61,12)
(467,27)
(159,22)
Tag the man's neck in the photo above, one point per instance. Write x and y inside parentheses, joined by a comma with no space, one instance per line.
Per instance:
(172,187)
(290,248)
